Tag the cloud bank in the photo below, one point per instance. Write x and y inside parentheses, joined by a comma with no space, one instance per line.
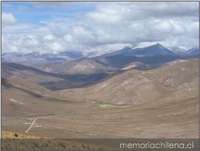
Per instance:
(169,23)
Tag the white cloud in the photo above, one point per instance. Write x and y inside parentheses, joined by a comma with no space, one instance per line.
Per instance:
(30,41)
(48,37)
(110,23)
(8,19)
(55,46)
(104,16)
(69,39)
(164,26)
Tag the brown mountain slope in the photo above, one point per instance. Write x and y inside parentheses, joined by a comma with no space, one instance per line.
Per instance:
(12,70)
(83,66)
(176,74)
(136,87)
(24,98)
(51,81)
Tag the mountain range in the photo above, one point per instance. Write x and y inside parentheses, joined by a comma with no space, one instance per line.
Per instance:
(36,58)
(133,103)
(136,86)
(54,72)
(130,92)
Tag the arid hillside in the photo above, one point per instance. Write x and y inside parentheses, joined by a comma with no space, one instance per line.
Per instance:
(82,66)
(23,98)
(155,103)
(52,81)
(139,86)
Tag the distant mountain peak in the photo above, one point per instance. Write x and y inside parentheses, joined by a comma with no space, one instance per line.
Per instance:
(193,51)
(158,44)
(154,49)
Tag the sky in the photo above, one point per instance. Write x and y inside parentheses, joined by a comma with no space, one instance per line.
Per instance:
(81,26)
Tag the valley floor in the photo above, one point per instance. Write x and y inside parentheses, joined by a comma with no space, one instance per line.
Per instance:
(152,120)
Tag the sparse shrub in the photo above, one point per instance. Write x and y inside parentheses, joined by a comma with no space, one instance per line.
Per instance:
(36,145)
(62,144)
(83,145)
(16,135)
